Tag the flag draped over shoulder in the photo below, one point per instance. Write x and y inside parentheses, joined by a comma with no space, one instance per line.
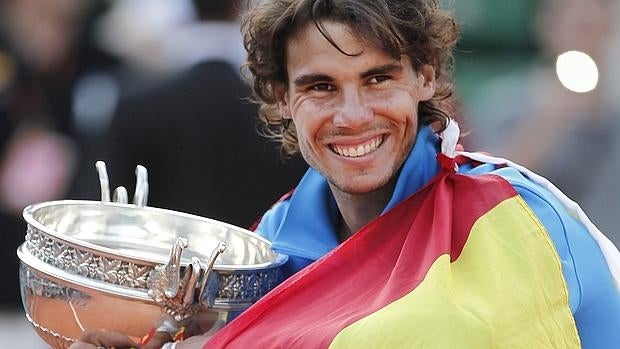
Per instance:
(463,262)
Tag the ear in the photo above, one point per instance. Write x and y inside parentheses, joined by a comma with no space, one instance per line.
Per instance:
(283,101)
(426,81)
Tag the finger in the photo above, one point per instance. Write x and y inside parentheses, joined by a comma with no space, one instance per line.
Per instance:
(196,342)
(107,339)
(202,323)
(216,327)
(158,339)
(82,345)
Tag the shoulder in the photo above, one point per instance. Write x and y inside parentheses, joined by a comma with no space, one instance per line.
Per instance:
(593,296)
(559,225)
(271,220)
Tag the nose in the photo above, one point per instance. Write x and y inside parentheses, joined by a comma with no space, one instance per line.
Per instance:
(353,110)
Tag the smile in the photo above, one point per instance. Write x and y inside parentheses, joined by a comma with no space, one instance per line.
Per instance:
(359,150)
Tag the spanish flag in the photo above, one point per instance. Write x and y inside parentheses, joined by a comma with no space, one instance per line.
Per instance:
(463,263)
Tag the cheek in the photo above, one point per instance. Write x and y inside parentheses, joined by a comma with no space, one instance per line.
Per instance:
(309,117)
(306,132)
(400,107)
(317,108)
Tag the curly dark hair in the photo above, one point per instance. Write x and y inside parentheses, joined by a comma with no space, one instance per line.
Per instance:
(419,29)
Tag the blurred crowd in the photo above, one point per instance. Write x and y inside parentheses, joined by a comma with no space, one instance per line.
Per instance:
(561,121)
(157,83)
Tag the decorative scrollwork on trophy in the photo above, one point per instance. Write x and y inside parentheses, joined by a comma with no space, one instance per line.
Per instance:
(179,297)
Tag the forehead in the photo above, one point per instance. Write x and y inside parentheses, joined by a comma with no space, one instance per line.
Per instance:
(309,48)
(343,37)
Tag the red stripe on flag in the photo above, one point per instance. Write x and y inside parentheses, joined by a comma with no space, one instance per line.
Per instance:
(378,265)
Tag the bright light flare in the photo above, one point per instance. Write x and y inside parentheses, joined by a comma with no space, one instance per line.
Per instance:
(577,71)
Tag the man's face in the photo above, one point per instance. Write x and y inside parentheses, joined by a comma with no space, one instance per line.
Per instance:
(355,116)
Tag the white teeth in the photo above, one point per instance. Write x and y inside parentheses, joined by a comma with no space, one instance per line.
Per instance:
(360,150)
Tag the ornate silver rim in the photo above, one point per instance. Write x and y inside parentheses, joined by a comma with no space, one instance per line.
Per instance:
(225,289)
(233,290)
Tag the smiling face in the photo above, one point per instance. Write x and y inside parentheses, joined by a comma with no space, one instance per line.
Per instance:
(355,116)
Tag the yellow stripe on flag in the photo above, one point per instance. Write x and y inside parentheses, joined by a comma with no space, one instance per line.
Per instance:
(506,290)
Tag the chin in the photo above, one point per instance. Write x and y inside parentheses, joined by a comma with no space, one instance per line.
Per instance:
(360,186)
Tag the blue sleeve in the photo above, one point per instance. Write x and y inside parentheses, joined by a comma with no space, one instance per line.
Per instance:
(271,220)
(594,298)
(268,228)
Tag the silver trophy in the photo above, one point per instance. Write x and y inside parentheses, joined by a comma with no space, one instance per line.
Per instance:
(121,266)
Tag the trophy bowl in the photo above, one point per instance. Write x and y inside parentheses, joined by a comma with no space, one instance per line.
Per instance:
(120,267)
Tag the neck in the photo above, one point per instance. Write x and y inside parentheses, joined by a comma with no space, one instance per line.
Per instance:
(357,210)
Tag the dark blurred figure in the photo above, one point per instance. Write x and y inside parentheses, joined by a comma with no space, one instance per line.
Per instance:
(569,137)
(44,53)
(196,134)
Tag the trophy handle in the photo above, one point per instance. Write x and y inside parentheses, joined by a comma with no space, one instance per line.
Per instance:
(120,195)
(181,299)
(221,247)
(104,183)
(141,193)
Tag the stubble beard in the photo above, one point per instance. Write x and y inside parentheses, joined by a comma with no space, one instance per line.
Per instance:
(384,182)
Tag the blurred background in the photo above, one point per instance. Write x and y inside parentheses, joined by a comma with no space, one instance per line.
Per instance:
(118,80)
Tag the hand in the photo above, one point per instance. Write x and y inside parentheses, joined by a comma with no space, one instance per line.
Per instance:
(157,341)
(198,329)
(103,339)
(198,342)
(195,326)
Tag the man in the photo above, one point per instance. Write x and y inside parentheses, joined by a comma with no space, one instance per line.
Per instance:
(390,247)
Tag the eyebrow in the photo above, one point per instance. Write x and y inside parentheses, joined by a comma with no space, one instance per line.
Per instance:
(388,68)
(309,79)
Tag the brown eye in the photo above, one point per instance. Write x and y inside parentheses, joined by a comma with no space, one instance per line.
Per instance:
(378,79)
(322,87)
